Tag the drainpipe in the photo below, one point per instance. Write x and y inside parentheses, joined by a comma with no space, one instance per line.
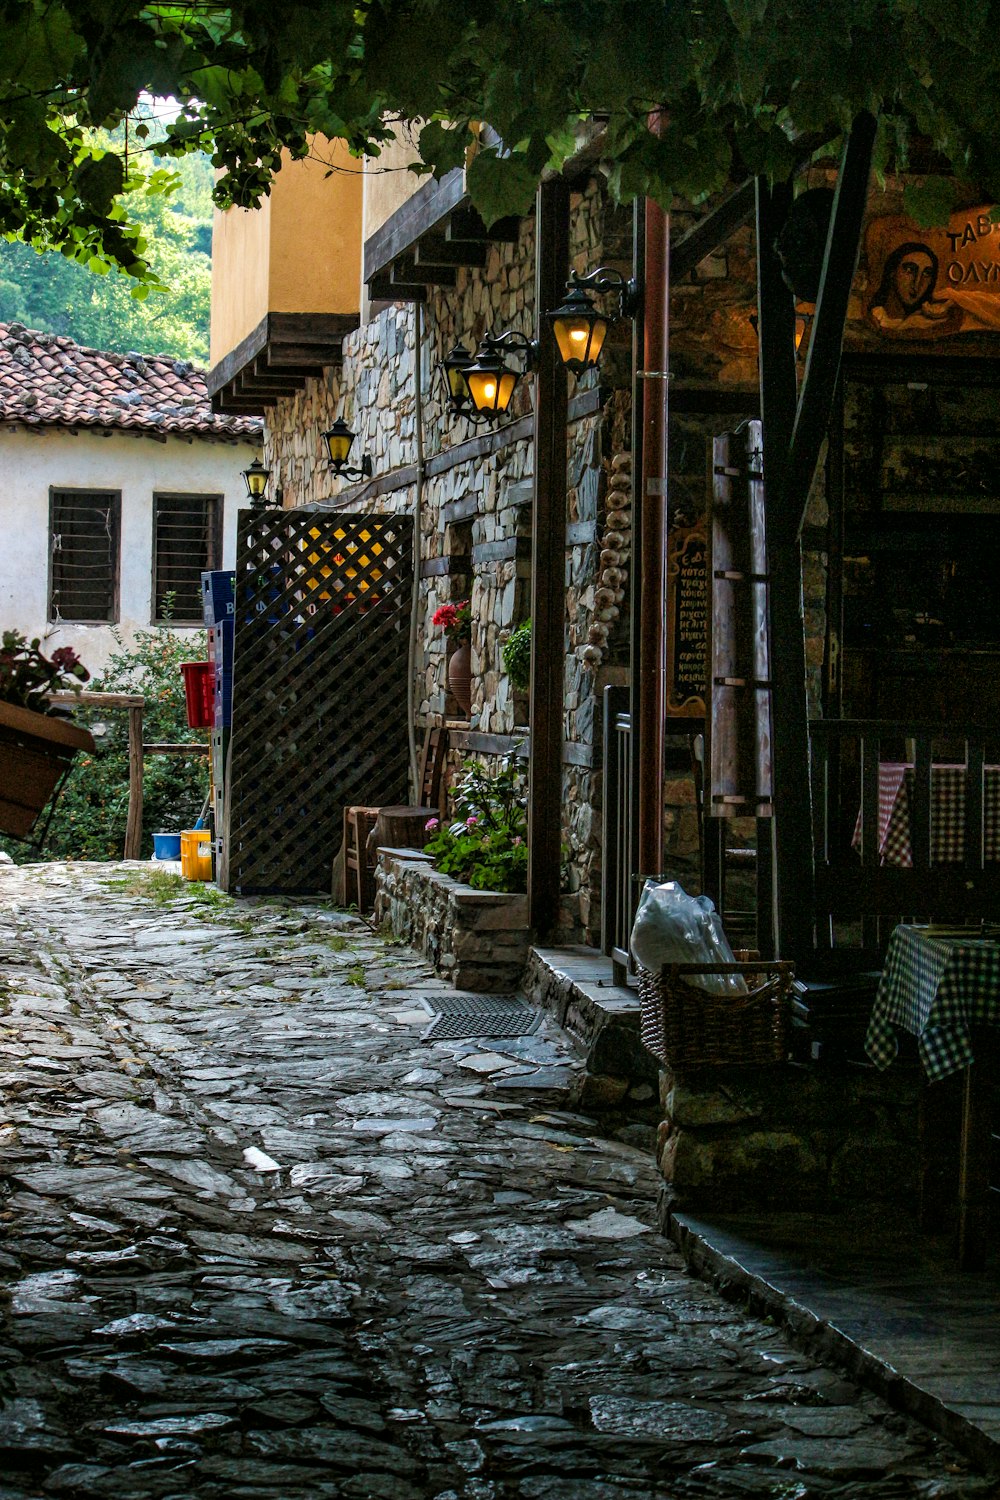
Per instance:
(649,541)
(418,505)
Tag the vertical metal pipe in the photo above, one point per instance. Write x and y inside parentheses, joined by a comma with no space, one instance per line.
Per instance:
(649,538)
(548,569)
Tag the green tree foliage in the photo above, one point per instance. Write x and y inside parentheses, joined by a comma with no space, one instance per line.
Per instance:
(90,818)
(47,291)
(740,83)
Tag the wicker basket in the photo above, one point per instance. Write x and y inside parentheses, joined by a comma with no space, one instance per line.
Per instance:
(685,1027)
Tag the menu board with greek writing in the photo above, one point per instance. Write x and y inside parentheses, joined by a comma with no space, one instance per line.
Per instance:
(687,622)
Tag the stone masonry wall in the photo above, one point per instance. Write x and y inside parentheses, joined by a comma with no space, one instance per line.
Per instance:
(475,516)
(477,939)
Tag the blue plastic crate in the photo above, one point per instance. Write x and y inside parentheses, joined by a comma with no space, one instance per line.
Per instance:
(217,595)
(220,643)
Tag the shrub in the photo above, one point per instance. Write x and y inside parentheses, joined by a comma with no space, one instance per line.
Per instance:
(90,818)
(517,657)
(487,848)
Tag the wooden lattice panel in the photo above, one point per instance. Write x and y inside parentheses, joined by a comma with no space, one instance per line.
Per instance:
(319,688)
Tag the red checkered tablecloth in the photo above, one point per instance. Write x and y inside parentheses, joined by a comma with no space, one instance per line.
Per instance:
(895,788)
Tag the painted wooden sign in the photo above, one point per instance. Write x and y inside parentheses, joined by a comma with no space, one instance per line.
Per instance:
(933,283)
(687,622)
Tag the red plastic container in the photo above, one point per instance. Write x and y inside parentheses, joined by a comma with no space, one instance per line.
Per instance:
(199,690)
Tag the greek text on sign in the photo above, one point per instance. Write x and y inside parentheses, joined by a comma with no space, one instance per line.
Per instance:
(687,622)
(933,283)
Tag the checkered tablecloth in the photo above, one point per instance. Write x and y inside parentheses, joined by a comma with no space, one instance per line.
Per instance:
(895,791)
(937,988)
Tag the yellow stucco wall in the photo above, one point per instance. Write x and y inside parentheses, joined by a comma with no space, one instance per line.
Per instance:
(240,262)
(387,182)
(299,252)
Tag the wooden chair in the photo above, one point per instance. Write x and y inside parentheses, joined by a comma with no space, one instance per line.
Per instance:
(360,822)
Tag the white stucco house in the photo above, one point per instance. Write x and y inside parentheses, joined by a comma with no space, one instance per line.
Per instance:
(119,486)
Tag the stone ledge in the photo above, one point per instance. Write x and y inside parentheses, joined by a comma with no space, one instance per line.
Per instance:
(575,985)
(832,1303)
(476,939)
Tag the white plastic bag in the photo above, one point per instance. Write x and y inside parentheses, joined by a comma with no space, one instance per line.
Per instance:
(672,927)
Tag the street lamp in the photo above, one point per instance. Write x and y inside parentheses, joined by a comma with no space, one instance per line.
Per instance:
(456,387)
(256,479)
(580,326)
(338,440)
(490,379)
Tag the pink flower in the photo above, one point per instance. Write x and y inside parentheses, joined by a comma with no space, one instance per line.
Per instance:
(517,839)
(431,824)
(65,657)
(471,822)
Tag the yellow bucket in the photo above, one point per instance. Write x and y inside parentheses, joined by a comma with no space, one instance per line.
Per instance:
(196,854)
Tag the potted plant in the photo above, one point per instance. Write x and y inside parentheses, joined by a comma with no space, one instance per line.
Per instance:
(456,622)
(517,657)
(37,740)
(487,847)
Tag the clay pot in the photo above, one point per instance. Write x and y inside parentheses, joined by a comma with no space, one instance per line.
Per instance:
(460,676)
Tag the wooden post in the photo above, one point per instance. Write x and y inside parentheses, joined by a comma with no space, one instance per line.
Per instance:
(134,702)
(649,544)
(133,828)
(794,429)
(792,833)
(548,569)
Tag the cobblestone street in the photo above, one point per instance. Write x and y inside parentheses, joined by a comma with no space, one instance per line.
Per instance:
(262,1238)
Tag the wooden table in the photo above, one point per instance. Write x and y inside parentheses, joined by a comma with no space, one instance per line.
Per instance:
(945,990)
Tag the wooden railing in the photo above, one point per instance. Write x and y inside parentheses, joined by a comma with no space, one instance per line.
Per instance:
(856,879)
(619,896)
(137,751)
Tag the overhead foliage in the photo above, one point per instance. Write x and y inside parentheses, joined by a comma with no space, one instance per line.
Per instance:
(166,314)
(738,81)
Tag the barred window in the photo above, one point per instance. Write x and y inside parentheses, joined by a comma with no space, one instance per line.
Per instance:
(187,540)
(83,579)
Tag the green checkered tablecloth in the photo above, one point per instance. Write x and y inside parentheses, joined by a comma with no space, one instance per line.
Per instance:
(938,988)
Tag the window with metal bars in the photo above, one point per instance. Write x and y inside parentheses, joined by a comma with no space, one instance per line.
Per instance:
(83,578)
(187,540)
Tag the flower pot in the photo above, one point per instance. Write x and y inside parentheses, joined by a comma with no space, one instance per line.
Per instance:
(460,676)
(36,752)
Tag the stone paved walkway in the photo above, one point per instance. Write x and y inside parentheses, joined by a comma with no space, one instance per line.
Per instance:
(260,1239)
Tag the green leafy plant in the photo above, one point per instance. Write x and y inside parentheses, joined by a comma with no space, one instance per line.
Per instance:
(27,676)
(89,821)
(517,656)
(487,848)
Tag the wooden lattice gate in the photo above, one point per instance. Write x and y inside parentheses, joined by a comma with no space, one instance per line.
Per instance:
(319,688)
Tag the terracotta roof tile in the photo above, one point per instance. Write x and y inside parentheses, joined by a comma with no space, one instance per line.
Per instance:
(48,380)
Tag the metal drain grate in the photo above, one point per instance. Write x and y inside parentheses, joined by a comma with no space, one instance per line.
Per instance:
(458,1016)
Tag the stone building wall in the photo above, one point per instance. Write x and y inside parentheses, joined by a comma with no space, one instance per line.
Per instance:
(475,514)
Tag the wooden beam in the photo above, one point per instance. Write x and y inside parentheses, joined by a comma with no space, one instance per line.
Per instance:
(311,338)
(792,849)
(548,602)
(840,261)
(426,209)
(433,251)
(712,231)
(404,272)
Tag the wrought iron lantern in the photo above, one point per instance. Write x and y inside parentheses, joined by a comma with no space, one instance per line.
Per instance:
(338,440)
(491,380)
(458,398)
(579,324)
(257,478)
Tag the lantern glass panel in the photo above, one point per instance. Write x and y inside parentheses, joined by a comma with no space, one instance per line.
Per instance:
(491,390)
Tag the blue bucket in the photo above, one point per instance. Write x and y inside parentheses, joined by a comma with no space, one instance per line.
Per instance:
(166,846)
